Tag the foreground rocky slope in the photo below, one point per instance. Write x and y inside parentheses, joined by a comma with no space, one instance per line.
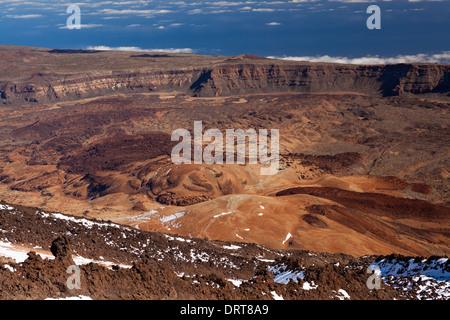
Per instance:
(117,262)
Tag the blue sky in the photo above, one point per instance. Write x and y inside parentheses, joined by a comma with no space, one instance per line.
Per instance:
(319,30)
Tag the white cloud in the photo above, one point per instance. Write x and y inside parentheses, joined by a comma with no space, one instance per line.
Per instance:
(85,26)
(273,24)
(138,49)
(174,50)
(357,1)
(195,11)
(443,57)
(131,11)
(263,10)
(367,1)
(24,16)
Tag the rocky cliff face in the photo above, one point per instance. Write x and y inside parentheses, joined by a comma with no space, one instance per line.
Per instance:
(390,80)
(385,80)
(48,88)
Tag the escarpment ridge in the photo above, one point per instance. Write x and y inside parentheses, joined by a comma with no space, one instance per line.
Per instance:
(96,73)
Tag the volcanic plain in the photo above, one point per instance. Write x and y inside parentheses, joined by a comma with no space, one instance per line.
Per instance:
(364,150)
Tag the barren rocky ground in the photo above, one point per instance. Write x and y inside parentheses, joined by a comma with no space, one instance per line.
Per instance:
(118,262)
(364,171)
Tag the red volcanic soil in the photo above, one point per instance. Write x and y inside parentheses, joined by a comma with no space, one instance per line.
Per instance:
(111,153)
(38,130)
(378,204)
(89,134)
(329,163)
(421,188)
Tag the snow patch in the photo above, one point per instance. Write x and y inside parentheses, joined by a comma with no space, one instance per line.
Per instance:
(172,217)
(7,266)
(231,247)
(264,260)
(85,222)
(276,296)
(283,276)
(6,207)
(72,298)
(177,238)
(17,253)
(222,214)
(144,216)
(342,294)
(434,268)
(235,282)
(288,236)
(308,286)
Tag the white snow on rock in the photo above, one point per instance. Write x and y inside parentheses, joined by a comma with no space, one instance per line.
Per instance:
(172,217)
(85,222)
(288,236)
(177,238)
(263,259)
(222,214)
(342,294)
(72,298)
(276,296)
(231,247)
(283,276)
(422,278)
(17,253)
(309,286)
(7,266)
(144,216)
(236,282)
(437,269)
(431,289)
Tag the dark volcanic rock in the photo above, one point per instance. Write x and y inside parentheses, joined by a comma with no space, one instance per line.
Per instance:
(62,250)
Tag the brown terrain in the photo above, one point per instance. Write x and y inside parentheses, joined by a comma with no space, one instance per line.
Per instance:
(364,150)
(119,262)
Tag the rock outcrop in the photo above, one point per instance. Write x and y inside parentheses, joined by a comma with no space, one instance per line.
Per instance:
(229,79)
(389,80)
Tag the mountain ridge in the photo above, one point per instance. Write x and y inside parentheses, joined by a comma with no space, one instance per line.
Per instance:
(203,76)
